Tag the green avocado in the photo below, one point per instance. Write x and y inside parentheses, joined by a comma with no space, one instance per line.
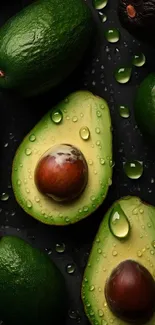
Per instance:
(42,44)
(118,284)
(80,124)
(32,289)
(144,106)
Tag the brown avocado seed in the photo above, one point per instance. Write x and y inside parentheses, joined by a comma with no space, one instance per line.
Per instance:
(130,292)
(62,173)
(131,11)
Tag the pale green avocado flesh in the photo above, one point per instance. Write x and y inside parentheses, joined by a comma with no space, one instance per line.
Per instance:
(108,251)
(80,109)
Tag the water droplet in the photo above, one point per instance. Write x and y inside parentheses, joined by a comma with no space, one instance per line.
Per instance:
(74,119)
(18,182)
(114,252)
(97,130)
(90,162)
(85,208)
(67,220)
(141,211)
(29,204)
(98,142)
(99,250)
(152,252)
(28,151)
(56,116)
(100,312)
(124,111)
(70,268)
(139,254)
(73,314)
(153,243)
(112,35)
(139,60)
(91,288)
(84,133)
(93,198)
(104,322)
(4,196)
(32,138)
(102,161)
(103,17)
(118,222)
(98,113)
(133,169)
(37,199)
(60,248)
(27,190)
(123,75)
(99,4)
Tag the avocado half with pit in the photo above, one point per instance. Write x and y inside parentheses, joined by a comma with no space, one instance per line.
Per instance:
(138,17)
(63,168)
(118,285)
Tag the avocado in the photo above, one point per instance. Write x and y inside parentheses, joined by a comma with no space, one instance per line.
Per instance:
(144,106)
(42,44)
(138,17)
(63,168)
(118,285)
(32,289)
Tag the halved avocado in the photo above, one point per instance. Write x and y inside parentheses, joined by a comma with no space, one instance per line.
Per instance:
(118,285)
(79,125)
(138,17)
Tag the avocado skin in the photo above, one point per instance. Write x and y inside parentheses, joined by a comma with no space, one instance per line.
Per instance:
(142,26)
(144,106)
(43,44)
(32,289)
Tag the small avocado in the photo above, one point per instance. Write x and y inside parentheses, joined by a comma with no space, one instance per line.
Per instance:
(118,285)
(32,289)
(62,170)
(144,106)
(138,17)
(41,45)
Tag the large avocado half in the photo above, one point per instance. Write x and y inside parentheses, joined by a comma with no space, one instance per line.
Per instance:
(80,122)
(42,44)
(138,17)
(118,285)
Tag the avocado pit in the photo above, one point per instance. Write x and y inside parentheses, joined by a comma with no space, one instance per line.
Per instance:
(131,11)
(62,173)
(130,292)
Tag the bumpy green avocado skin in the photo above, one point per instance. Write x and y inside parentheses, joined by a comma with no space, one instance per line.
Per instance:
(42,45)
(144,106)
(32,289)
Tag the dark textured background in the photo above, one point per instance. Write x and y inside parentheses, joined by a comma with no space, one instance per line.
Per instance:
(18,116)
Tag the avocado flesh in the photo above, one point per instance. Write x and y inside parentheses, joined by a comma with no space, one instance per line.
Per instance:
(108,251)
(32,289)
(90,111)
(43,44)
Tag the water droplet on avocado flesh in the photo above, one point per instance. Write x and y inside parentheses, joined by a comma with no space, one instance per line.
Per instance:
(123,307)
(118,223)
(59,207)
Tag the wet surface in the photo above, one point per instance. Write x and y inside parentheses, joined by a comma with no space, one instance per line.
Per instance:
(19,115)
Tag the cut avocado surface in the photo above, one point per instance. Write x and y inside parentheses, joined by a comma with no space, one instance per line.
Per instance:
(81,120)
(109,250)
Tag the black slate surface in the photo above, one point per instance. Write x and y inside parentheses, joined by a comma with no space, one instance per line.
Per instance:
(18,116)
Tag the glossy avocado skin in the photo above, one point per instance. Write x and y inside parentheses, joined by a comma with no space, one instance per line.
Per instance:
(142,26)
(32,289)
(41,45)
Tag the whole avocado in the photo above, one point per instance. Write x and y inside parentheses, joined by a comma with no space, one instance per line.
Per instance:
(41,45)
(32,289)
